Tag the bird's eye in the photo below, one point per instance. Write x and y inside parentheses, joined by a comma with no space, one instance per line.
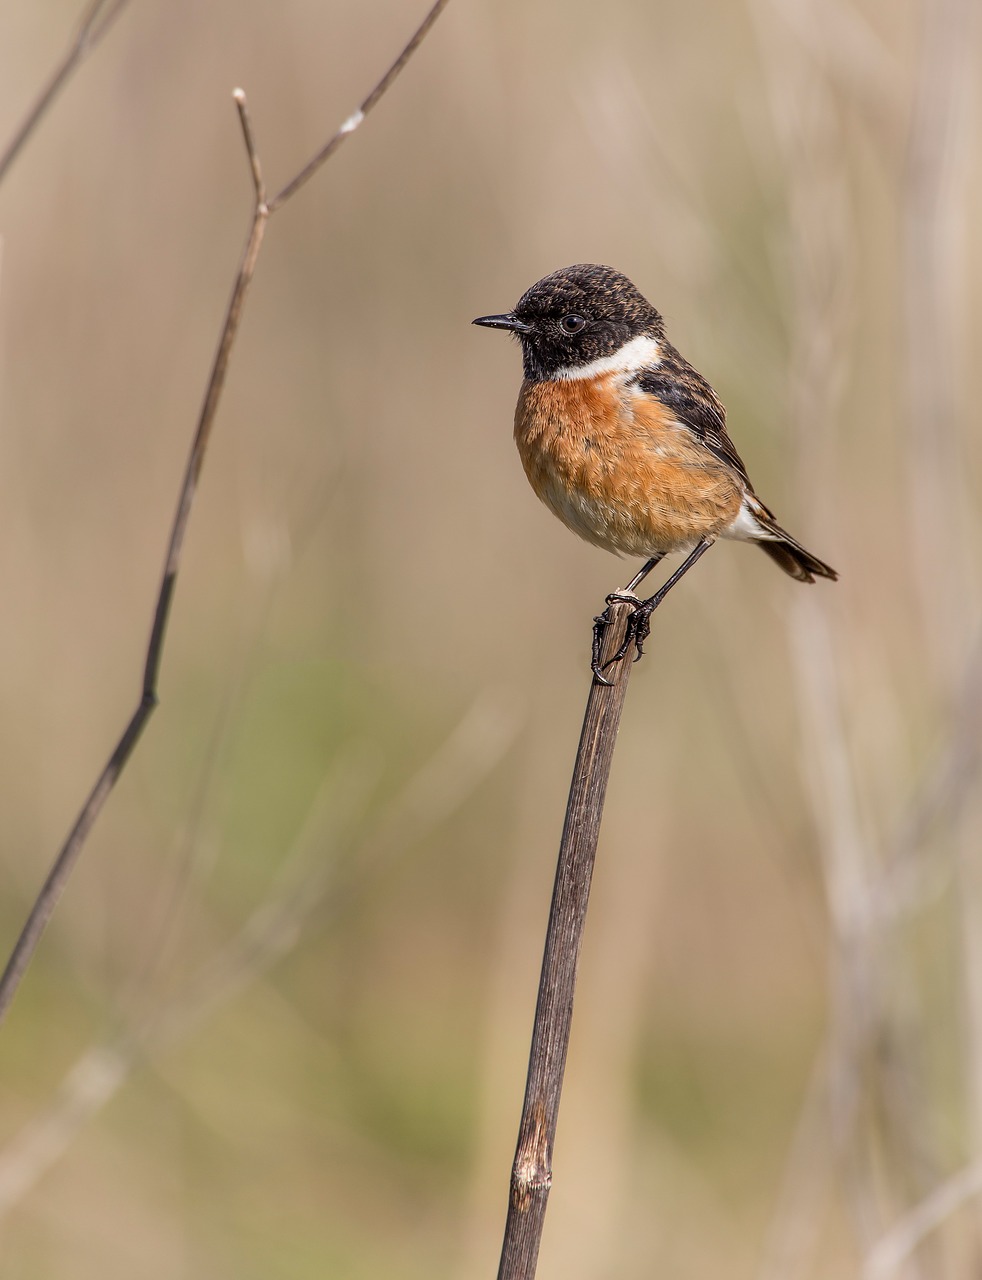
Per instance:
(572,324)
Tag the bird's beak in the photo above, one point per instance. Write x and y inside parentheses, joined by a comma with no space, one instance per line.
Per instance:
(507,321)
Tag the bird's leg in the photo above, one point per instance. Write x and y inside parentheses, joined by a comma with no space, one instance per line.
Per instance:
(646,568)
(639,623)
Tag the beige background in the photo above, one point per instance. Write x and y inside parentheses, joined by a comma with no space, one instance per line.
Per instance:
(378,654)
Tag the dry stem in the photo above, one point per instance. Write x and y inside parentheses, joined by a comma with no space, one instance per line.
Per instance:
(531,1175)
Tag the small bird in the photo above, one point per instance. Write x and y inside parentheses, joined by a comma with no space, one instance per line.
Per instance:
(625,442)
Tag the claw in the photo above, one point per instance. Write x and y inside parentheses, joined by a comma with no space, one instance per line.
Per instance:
(600,625)
(641,625)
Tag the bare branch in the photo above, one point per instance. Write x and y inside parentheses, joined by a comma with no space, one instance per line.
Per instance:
(250,145)
(96,21)
(357,117)
(57,878)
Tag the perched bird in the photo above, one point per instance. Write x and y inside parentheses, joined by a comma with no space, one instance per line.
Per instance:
(625,442)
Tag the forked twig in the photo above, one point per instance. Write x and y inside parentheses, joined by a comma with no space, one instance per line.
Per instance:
(96,21)
(531,1175)
(57,878)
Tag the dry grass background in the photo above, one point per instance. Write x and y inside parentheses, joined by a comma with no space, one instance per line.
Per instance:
(378,656)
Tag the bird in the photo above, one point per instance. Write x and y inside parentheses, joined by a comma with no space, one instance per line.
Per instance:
(626,442)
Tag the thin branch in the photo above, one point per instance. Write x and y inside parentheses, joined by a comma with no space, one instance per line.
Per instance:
(57,878)
(357,118)
(54,885)
(250,144)
(96,21)
(531,1176)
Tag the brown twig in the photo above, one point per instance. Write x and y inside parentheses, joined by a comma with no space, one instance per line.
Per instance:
(96,21)
(531,1175)
(357,118)
(57,878)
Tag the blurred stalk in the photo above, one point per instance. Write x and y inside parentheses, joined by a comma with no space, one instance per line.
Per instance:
(879,1113)
(96,21)
(935,227)
(944,518)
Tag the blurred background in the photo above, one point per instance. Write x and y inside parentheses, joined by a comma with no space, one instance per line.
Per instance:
(279,1024)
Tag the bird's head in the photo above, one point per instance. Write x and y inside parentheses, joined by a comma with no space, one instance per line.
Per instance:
(581,320)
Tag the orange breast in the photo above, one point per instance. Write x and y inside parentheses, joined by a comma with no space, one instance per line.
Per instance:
(618,469)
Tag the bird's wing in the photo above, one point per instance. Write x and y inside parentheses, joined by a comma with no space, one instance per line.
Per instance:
(693,402)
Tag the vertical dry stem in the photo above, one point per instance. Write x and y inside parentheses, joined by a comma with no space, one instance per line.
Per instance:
(531,1176)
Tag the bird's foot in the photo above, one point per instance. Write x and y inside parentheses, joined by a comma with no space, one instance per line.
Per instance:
(639,622)
(638,627)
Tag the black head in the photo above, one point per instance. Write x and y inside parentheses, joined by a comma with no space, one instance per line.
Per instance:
(575,316)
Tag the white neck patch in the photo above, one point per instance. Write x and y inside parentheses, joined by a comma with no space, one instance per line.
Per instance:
(639,353)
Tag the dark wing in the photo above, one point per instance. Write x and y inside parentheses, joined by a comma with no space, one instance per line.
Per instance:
(688,395)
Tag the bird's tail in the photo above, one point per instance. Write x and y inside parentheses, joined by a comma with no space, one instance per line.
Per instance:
(787,552)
